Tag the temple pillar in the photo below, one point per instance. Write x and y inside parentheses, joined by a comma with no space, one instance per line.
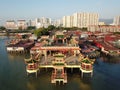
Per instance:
(50,53)
(74,52)
(45,54)
(56,41)
(62,71)
(63,41)
(55,71)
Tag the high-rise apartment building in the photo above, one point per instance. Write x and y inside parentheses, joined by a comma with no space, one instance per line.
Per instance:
(67,21)
(31,23)
(81,20)
(42,22)
(116,20)
(11,24)
(57,23)
(22,24)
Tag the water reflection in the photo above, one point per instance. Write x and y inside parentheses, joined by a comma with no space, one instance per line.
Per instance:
(110,59)
(30,86)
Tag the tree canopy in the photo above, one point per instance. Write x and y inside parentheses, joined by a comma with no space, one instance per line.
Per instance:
(2,28)
(31,28)
(41,31)
(51,27)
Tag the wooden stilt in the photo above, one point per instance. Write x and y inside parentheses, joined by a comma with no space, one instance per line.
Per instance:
(82,74)
(27,73)
(59,82)
(46,69)
(91,74)
(36,74)
(55,83)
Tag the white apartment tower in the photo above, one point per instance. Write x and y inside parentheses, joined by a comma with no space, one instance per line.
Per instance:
(22,24)
(81,20)
(117,20)
(57,23)
(31,23)
(67,21)
(64,21)
(11,24)
(76,20)
(43,22)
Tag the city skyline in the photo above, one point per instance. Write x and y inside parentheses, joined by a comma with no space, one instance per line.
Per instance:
(24,9)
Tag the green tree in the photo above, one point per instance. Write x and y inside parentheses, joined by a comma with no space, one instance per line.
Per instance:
(31,28)
(2,28)
(83,29)
(41,31)
(45,31)
(37,32)
(51,27)
(67,28)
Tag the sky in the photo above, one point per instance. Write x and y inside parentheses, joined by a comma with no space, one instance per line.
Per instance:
(56,9)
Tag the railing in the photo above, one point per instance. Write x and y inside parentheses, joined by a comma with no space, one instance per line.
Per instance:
(32,66)
(59,76)
(86,67)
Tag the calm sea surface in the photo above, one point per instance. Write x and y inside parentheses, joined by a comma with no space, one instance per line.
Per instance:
(13,75)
